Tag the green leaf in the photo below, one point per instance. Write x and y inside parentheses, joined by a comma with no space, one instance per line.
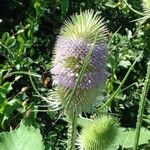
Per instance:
(6,109)
(5,36)
(126,137)
(5,89)
(111,4)
(1,75)
(124,63)
(10,42)
(38,7)
(24,138)
(64,7)
(82,122)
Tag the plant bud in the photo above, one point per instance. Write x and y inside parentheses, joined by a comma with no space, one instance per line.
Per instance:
(99,134)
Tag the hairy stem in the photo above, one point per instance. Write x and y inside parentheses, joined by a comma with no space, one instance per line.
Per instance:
(85,63)
(141,108)
(72,127)
(72,131)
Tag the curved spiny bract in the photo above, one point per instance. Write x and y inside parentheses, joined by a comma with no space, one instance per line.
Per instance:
(85,26)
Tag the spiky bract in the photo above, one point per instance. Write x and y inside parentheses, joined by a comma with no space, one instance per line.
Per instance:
(72,46)
(85,26)
(99,134)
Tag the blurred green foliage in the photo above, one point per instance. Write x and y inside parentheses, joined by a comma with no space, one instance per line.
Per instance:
(28,31)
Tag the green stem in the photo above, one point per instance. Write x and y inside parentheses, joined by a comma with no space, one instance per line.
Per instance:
(85,63)
(72,138)
(35,89)
(29,74)
(33,85)
(141,108)
(108,102)
(8,50)
(137,12)
(72,131)
(22,72)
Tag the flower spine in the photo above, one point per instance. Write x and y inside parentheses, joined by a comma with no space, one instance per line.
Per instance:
(76,38)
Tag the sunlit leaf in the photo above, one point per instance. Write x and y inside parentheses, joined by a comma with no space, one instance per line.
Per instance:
(126,137)
(24,138)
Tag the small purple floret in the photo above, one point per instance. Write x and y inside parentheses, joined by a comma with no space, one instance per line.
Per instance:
(67,77)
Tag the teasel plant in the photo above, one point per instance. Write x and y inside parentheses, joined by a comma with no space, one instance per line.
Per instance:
(142,106)
(79,69)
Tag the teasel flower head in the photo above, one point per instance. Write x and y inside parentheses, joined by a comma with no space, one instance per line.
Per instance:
(76,38)
(99,134)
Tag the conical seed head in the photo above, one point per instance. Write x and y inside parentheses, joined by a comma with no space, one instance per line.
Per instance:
(72,46)
(99,134)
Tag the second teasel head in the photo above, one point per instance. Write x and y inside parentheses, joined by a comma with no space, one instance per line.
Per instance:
(99,134)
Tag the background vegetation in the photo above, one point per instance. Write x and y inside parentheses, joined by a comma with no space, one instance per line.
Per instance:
(28,30)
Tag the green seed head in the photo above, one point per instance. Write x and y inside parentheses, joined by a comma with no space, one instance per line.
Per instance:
(99,134)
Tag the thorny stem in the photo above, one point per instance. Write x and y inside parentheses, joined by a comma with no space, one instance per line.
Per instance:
(141,108)
(72,138)
(72,131)
(85,63)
